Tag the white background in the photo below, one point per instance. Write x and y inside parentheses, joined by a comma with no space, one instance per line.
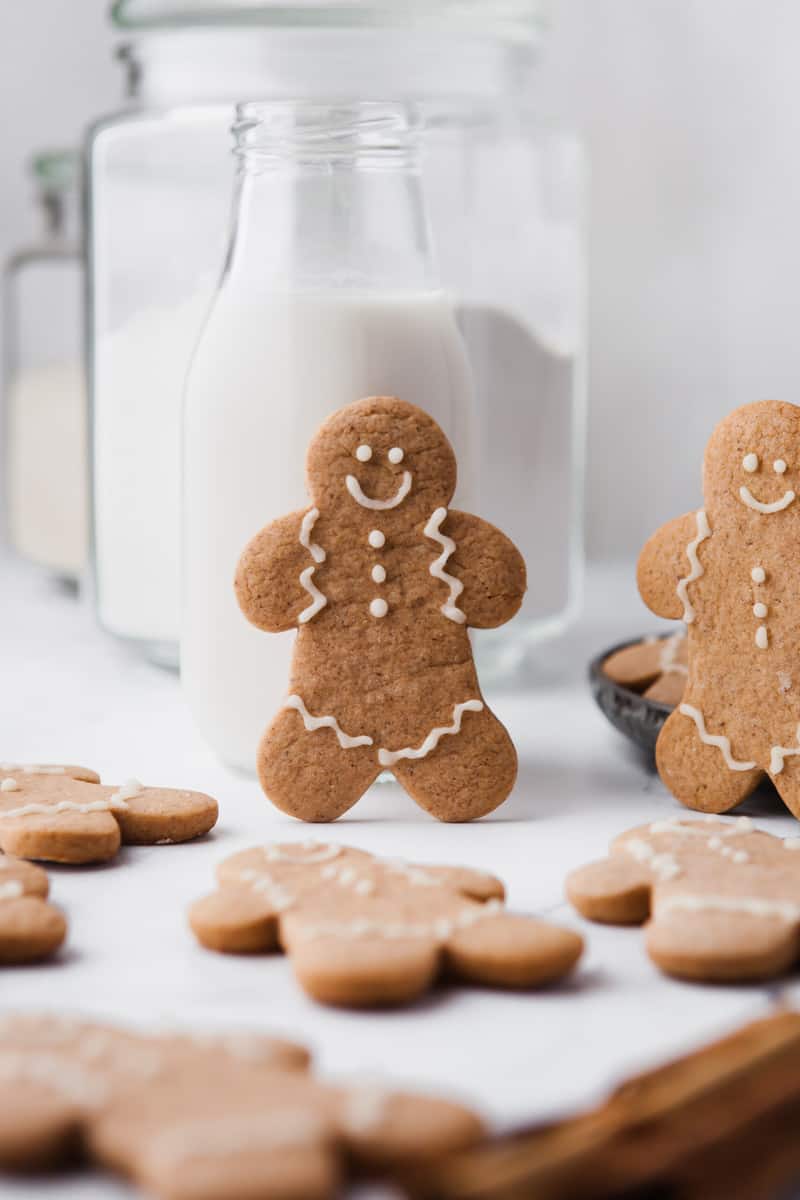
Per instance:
(691,114)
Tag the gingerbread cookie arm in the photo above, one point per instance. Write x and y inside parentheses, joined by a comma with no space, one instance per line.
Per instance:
(275,583)
(613,891)
(236,919)
(482,568)
(670,564)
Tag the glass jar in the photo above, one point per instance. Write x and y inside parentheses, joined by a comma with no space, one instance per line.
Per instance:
(505,205)
(46,469)
(329,295)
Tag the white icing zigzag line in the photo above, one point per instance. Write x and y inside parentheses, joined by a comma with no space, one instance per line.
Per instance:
(318,600)
(432,531)
(308,523)
(62,806)
(703,532)
(354,488)
(387,758)
(779,753)
(719,740)
(747,497)
(753,906)
(313,723)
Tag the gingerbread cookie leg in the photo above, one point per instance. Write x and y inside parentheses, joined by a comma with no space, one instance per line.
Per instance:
(787,782)
(717,949)
(699,766)
(511,951)
(60,837)
(313,773)
(364,971)
(470,774)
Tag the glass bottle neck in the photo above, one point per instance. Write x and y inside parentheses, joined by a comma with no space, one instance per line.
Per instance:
(329,199)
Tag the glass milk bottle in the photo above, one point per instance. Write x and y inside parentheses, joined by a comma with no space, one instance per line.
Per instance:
(329,294)
(45,437)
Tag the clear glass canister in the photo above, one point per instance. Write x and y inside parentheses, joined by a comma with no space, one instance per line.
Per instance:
(504,200)
(45,406)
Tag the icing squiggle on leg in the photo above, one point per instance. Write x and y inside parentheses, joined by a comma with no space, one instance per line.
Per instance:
(313,723)
(779,753)
(715,739)
(696,572)
(387,758)
(437,569)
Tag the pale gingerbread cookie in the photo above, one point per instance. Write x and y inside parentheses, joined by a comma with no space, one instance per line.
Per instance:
(194,1116)
(729,570)
(363,931)
(30,928)
(383,582)
(657,668)
(62,814)
(722,898)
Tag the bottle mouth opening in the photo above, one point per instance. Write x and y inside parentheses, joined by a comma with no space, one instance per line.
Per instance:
(311,131)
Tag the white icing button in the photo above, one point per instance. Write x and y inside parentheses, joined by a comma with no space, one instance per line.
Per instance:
(377,539)
(395,455)
(761,637)
(758,575)
(378,573)
(750,463)
(779,466)
(364,453)
(378,608)
(760,611)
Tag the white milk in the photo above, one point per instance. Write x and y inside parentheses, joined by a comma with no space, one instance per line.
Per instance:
(47,466)
(266,374)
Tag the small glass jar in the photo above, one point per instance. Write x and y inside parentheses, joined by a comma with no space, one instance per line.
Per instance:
(505,201)
(329,294)
(46,469)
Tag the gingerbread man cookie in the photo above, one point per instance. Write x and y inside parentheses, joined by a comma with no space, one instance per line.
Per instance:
(729,571)
(382,581)
(723,898)
(30,927)
(187,1116)
(62,814)
(363,931)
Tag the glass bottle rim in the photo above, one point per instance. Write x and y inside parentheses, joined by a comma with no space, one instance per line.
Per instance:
(513,19)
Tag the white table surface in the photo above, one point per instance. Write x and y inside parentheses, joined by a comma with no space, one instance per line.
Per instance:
(72,694)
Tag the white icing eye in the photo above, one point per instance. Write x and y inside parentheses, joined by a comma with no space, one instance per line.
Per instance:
(364,453)
(395,455)
(750,463)
(779,466)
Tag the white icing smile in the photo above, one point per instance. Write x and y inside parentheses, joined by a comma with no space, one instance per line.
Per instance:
(747,497)
(354,488)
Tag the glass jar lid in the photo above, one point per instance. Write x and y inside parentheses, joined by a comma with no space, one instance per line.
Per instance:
(516,19)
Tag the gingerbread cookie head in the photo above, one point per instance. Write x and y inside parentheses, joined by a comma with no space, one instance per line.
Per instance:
(377,457)
(722,898)
(729,570)
(752,470)
(382,582)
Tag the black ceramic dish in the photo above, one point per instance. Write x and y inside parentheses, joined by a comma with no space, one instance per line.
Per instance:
(640,720)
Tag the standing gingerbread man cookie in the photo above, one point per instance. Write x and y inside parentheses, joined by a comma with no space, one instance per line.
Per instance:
(730,571)
(383,582)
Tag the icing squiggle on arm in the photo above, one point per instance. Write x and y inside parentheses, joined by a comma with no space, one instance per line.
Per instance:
(437,569)
(715,739)
(318,600)
(387,758)
(308,523)
(697,571)
(313,723)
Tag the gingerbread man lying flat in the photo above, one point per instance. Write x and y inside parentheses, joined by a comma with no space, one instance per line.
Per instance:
(730,571)
(383,582)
